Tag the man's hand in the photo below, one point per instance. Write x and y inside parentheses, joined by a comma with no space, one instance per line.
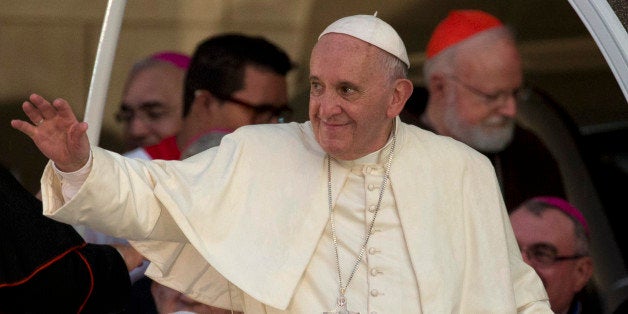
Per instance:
(132,258)
(56,132)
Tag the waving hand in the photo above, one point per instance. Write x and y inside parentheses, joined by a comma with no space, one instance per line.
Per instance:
(56,132)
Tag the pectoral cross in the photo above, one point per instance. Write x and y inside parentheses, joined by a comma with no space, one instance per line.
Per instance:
(342,307)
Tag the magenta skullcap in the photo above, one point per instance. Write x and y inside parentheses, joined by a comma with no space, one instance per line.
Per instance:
(373,30)
(566,208)
(181,61)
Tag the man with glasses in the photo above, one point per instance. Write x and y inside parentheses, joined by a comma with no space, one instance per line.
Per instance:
(234,80)
(152,101)
(474,80)
(553,236)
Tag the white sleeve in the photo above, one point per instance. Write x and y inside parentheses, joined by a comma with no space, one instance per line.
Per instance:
(71,182)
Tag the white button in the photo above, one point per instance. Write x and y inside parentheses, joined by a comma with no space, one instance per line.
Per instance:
(372,208)
(374,292)
(371,187)
(368,169)
(375,272)
(373,251)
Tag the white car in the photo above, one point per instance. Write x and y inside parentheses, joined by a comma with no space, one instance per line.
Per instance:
(594,159)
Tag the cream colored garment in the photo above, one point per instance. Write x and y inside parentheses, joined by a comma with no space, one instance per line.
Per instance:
(255,209)
(385,275)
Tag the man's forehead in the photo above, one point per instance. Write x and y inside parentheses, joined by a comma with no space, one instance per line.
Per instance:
(263,82)
(341,57)
(550,226)
(339,46)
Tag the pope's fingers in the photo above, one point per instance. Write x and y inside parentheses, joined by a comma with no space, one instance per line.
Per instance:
(23,127)
(63,109)
(38,101)
(78,130)
(47,110)
(32,112)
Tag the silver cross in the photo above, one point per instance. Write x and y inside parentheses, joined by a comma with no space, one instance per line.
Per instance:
(342,307)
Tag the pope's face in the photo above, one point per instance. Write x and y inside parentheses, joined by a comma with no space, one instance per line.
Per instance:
(350,97)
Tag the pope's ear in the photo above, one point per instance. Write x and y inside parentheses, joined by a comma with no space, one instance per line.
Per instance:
(402,91)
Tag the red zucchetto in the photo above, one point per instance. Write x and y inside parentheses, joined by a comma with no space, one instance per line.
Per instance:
(458,26)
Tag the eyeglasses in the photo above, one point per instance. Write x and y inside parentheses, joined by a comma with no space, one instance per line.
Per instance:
(263,112)
(494,100)
(147,112)
(546,254)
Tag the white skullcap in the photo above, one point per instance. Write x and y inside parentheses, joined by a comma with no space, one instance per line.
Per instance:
(372,30)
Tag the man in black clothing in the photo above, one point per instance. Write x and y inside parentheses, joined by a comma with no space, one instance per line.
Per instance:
(46,267)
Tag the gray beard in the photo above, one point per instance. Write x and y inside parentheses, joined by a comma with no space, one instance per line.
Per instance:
(491,136)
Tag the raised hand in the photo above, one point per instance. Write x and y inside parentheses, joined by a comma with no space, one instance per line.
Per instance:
(56,132)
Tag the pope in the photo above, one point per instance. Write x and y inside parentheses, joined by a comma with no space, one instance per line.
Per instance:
(351,211)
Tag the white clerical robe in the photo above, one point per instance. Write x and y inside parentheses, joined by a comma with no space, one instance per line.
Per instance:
(239,225)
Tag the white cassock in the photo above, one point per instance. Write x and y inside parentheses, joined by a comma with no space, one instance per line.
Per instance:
(256,209)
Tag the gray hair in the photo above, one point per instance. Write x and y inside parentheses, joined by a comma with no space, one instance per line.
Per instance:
(445,61)
(392,66)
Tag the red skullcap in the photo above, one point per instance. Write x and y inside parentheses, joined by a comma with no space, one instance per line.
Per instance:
(177,59)
(566,208)
(458,26)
